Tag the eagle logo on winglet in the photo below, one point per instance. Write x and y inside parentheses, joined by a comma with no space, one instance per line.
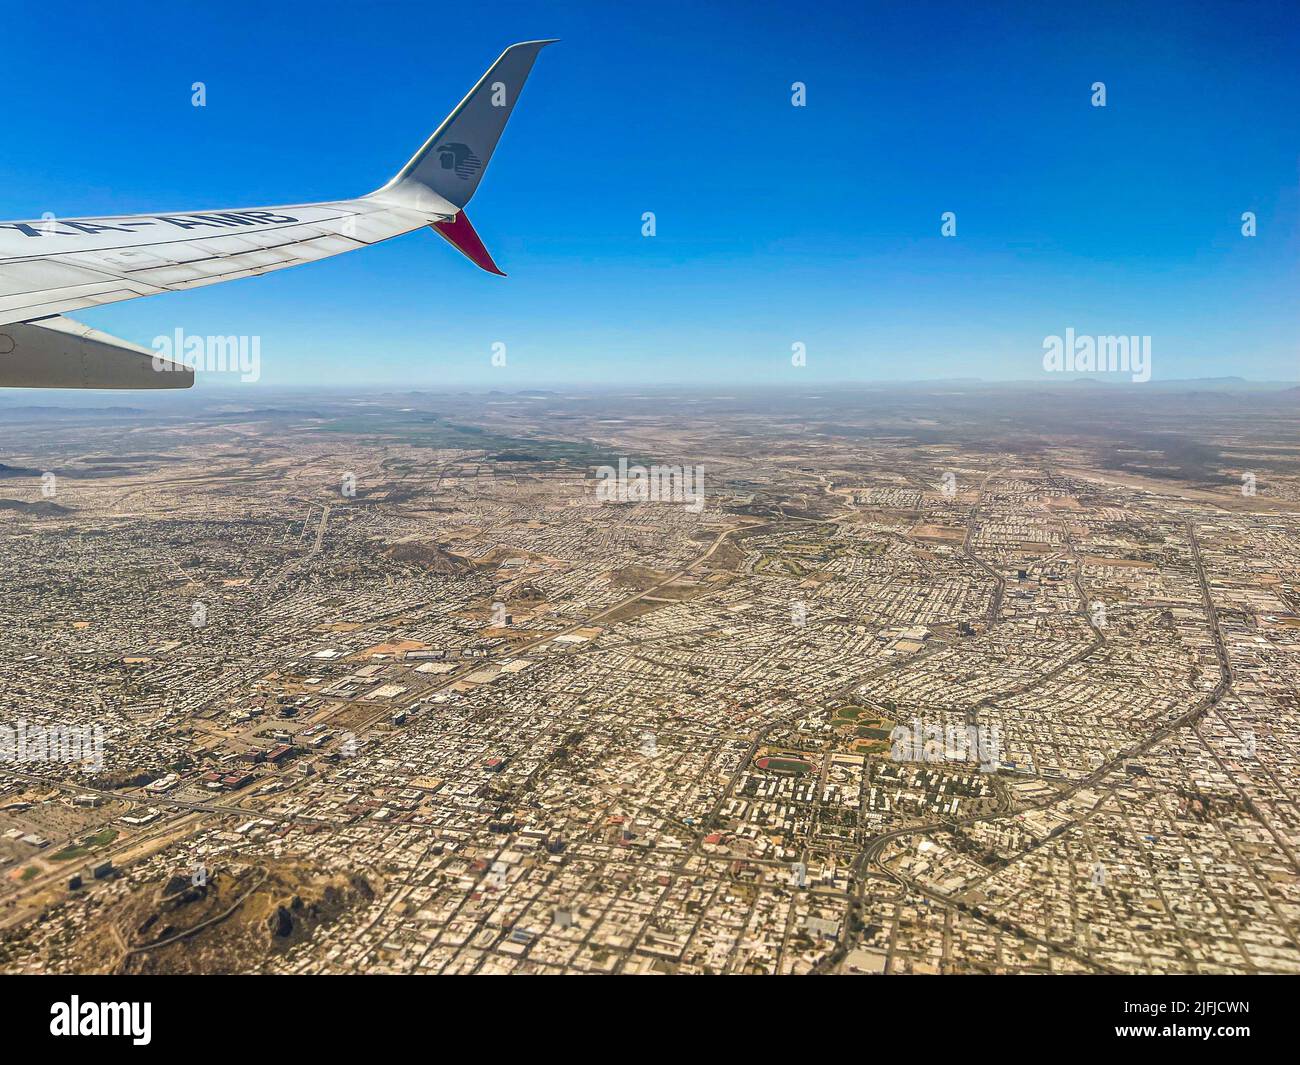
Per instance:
(459,158)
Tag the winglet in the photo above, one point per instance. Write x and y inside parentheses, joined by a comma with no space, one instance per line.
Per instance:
(453,161)
(462,236)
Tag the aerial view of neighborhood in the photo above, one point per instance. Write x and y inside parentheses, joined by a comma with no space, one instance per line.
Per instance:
(944,678)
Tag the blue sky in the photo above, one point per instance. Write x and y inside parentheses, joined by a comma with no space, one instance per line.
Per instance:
(776,224)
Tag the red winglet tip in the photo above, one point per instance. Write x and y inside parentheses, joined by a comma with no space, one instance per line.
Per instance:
(462,236)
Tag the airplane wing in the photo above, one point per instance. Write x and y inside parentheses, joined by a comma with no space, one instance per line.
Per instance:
(54,265)
(67,265)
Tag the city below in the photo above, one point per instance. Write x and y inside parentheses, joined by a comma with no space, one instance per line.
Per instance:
(924,679)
